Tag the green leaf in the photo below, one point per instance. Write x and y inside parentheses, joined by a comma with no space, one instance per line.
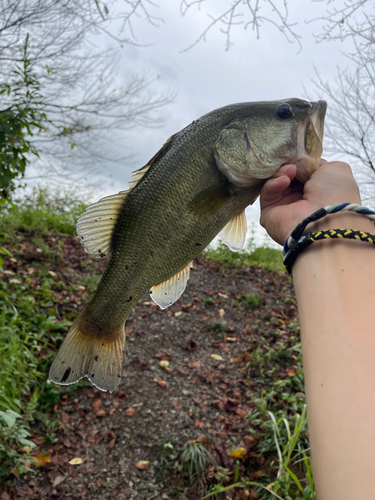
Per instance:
(294,477)
(27,442)
(9,417)
(4,251)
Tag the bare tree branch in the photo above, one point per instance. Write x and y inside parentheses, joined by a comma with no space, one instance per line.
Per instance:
(246,13)
(350,124)
(340,23)
(89,109)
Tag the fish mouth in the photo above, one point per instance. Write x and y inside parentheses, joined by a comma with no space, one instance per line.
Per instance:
(310,139)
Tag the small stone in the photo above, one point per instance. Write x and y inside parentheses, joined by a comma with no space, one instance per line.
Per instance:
(142,464)
(58,480)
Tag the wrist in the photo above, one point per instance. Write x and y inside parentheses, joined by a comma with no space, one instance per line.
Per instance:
(318,228)
(342,220)
(330,251)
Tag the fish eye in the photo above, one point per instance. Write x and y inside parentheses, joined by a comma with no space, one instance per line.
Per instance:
(284,111)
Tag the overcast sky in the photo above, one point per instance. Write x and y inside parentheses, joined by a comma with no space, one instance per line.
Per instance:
(207,77)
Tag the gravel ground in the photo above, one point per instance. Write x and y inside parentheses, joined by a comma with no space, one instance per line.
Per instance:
(203,394)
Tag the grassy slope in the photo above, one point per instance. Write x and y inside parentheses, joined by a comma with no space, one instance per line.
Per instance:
(31,325)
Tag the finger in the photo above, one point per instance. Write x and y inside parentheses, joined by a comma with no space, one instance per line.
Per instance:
(288,169)
(272,191)
(279,182)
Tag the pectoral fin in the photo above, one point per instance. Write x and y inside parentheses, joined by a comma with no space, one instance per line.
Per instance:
(234,233)
(166,293)
(211,200)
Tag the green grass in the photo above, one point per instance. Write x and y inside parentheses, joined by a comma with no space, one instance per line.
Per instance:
(29,326)
(207,301)
(296,484)
(264,256)
(218,328)
(194,460)
(26,333)
(279,424)
(252,300)
(43,211)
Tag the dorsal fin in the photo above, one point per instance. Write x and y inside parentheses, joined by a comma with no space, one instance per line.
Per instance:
(138,174)
(234,233)
(166,293)
(96,225)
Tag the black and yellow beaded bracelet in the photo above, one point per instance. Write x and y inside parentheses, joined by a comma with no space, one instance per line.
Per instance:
(298,242)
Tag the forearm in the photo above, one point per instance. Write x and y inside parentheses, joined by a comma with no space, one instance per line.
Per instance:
(335,287)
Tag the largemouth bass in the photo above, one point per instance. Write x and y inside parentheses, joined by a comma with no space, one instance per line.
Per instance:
(196,186)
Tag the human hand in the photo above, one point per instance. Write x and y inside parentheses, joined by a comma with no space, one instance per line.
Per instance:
(284,205)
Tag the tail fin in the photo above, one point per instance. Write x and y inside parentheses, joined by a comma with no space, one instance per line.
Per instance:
(99,358)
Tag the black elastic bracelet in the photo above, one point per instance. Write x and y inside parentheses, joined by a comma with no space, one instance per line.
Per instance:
(309,238)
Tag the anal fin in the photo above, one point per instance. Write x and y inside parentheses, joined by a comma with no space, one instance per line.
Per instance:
(234,233)
(166,293)
(99,358)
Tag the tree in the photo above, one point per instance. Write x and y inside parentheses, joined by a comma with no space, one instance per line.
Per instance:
(87,109)
(89,112)
(350,125)
(16,123)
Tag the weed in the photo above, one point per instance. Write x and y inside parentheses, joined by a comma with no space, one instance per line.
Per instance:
(279,354)
(90,281)
(208,301)
(195,458)
(14,434)
(24,358)
(286,485)
(251,300)
(168,458)
(29,328)
(294,327)
(3,251)
(218,328)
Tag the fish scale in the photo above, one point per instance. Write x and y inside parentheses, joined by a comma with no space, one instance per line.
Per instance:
(197,185)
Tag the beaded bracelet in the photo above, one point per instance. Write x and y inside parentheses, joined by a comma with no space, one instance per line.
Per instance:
(298,242)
